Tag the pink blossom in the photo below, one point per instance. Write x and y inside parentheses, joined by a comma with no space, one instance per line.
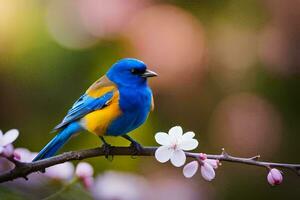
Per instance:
(35,179)
(8,150)
(207,168)
(202,156)
(63,171)
(23,155)
(274,177)
(84,171)
(17,156)
(214,163)
(207,171)
(190,169)
(8,138)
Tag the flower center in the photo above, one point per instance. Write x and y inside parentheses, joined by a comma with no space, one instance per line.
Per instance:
(175,144)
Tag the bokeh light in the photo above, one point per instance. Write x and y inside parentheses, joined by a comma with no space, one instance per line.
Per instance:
(233,54)
(280,38)
(106,19)
(65,25)
(171,41)
(247,124)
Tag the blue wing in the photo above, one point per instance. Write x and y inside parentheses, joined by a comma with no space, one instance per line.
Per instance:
(84,105)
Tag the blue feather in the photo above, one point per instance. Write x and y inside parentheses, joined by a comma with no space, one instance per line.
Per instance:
(135,105)
(84,105)
(58,141)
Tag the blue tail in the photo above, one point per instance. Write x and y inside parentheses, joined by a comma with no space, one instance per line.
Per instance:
(58,141)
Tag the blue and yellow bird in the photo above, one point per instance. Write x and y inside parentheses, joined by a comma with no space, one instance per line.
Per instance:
(114,105)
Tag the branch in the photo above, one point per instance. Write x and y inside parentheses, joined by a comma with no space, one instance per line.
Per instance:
(24,169)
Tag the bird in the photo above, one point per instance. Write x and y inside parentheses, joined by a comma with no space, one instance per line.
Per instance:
(114,105)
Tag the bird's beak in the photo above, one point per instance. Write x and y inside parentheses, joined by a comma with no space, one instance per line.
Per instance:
(148,73)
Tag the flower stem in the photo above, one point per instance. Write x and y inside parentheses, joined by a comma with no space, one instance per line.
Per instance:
(63,189)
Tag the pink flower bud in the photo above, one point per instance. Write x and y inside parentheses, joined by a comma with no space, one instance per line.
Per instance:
(84,170)
(207,171)
(274,177)
(202,156)
(8,150)
(190,169)
(24,155)
(17,156)
(214,163)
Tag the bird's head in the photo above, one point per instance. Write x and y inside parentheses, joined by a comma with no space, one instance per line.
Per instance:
(129,72)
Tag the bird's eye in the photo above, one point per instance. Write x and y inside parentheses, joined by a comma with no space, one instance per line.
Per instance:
(137,71)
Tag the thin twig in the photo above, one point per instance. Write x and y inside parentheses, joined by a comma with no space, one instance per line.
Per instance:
(24,169)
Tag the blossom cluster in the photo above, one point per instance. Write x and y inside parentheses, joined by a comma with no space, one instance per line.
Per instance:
(175,143)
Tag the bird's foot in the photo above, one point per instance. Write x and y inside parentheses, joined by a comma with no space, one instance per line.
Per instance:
(107,151)
(136,148)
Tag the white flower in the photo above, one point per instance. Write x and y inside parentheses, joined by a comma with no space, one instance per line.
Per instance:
(173,145)
(8,138)
(63,171)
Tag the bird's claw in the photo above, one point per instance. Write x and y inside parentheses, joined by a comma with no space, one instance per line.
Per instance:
(107,151)
(136,147)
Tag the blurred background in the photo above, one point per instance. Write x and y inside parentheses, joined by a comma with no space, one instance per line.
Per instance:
(228,70)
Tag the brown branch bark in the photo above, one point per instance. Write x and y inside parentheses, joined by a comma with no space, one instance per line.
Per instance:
(24,169)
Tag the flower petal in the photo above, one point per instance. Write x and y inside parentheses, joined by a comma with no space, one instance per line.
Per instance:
(84,170)
(212,162)
(270,179)
(8,150)
(1,149)
(178,158)
(189,144)
(188,135)
(190,169)
(63,171)
(207,171)
(162,138)
(1,133)
(176,132)
(9,137)
(163,154)
(24,155)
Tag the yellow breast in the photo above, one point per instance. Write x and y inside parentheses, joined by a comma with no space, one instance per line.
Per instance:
(98,121)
